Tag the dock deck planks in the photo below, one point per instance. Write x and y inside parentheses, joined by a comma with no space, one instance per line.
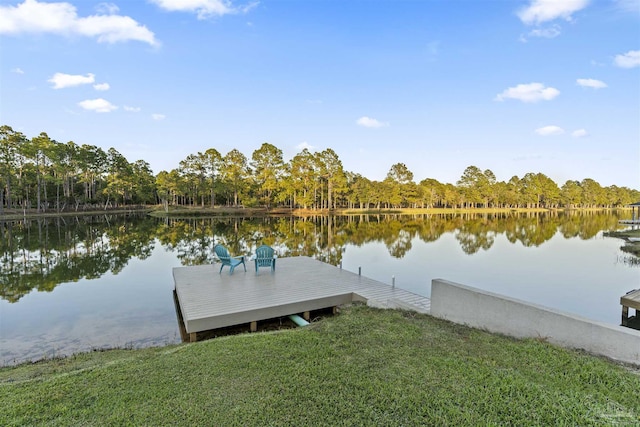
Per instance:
(211,300)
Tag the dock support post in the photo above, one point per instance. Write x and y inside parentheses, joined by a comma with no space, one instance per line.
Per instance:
(253,327)
(193,337)
(359,271)
(393,281)
(625,315)
(306,315)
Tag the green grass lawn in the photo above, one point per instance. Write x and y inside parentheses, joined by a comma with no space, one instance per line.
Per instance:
(364,367)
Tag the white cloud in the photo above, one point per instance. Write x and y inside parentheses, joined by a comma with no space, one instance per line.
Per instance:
(368,122)
(628,60)
(131,109)
(98,105)
(114,29)
(579,133)
(305,144)
(596,84)
(61,80)
(540,11)
(107,9)
(32,16)
(101,86)
(158,117)
(530,92)
(17,70)
(548,33)
(550,130)
(204,8)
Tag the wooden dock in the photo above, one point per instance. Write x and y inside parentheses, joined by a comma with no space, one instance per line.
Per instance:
(630,300)
(211,300)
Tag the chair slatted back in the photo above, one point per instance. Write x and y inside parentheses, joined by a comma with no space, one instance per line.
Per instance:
(222,253)
(264,255)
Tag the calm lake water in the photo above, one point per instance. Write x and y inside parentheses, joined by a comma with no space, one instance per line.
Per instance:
(77,284)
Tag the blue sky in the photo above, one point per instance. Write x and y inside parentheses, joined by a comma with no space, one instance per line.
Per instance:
(549,86)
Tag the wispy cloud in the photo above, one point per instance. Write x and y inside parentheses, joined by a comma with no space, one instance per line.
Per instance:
(101,86)
(579,133)
(32,16)
(158,117)
(547,33)
(368,122)
(527,157)
(131,109)
(204,9)
(540,11)
(628,60)
(98,105)
(593,83)
(107,9)
(550,130)
(433,50)
(17,70)
(632,6)
(529,92)
(61,80)
(305,144)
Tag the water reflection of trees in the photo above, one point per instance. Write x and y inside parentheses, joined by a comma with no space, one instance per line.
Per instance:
(42,253)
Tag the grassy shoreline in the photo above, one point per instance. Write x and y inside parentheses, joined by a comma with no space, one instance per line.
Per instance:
(187,211)
(362,367)
(229,211)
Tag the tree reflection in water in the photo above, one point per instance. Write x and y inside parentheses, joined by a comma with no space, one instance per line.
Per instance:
(42,253)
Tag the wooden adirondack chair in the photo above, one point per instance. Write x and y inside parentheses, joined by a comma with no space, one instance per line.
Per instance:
(265,257)
(223,255)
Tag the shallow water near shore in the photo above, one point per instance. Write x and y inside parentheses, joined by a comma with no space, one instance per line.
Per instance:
(105,281)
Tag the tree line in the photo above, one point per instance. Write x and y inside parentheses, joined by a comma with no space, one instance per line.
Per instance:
(46,175)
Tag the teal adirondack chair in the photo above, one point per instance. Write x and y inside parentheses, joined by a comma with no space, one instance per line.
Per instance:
(265,257)
(223,255)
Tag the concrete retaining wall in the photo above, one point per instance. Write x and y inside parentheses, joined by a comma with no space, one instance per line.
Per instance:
(497,313)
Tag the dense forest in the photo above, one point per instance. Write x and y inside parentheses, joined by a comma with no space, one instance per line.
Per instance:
(45,175)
